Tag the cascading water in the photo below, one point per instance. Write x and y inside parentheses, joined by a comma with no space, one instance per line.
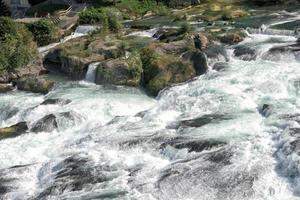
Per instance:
(80,31)
(232,134)
(91,73)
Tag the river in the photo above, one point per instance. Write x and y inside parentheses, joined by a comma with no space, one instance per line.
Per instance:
(231,134)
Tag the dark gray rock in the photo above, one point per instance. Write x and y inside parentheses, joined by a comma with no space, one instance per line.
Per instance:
(56,101)
(46,124)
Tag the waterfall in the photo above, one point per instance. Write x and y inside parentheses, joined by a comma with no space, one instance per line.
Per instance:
(91,73)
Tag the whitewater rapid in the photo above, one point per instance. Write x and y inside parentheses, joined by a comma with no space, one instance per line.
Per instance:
(130,146)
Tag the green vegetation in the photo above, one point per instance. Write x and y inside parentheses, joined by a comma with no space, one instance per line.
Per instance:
(43,31)
(109,18)
(140,8)
(17,48)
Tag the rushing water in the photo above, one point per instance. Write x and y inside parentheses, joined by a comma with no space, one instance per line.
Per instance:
(126,145)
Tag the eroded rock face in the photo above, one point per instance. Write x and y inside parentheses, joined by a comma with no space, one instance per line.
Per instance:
(34,84)
(13,131)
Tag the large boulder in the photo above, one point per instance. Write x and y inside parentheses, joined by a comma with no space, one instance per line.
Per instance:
(34,84)
(166,64)
(13,131)
(5,88)
(59,121)
(120,71)
(46,124)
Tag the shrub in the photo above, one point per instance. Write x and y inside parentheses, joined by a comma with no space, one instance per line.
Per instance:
(17,48)
(185,27)
(109,18)
(43,31)
(136,7)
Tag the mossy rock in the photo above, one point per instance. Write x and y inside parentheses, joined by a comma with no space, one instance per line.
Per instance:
(13,131)
(34,84)
(120,71)
(164,70)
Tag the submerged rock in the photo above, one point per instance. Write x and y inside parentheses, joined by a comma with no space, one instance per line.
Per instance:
(13,131)
(71,175)
(196,145)
(205,119)
(245,53)
(34,84)
(5,88)
(56,101)
(220,66)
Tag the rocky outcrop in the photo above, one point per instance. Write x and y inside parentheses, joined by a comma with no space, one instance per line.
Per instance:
(165,64)
(73,57)
(120,71)
(34,68)
(5,88)
(34,84)
(13,131)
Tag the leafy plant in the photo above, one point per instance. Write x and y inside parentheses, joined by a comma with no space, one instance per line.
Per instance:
(43,31)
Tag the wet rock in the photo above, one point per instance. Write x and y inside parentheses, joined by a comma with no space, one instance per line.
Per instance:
(13,131)
(266,110)
(120,71)
(52,122)
(244,53)
(34,84)
(56,101)
(200,41)
(46,124)
(196,145)
(5,88)
(220,66)
(199,60)
(205,119)
(210,171)
(71,175)
(216,53)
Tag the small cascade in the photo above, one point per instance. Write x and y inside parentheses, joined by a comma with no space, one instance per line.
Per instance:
(91,73)
(80,31)
(267,31)
(147,33)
